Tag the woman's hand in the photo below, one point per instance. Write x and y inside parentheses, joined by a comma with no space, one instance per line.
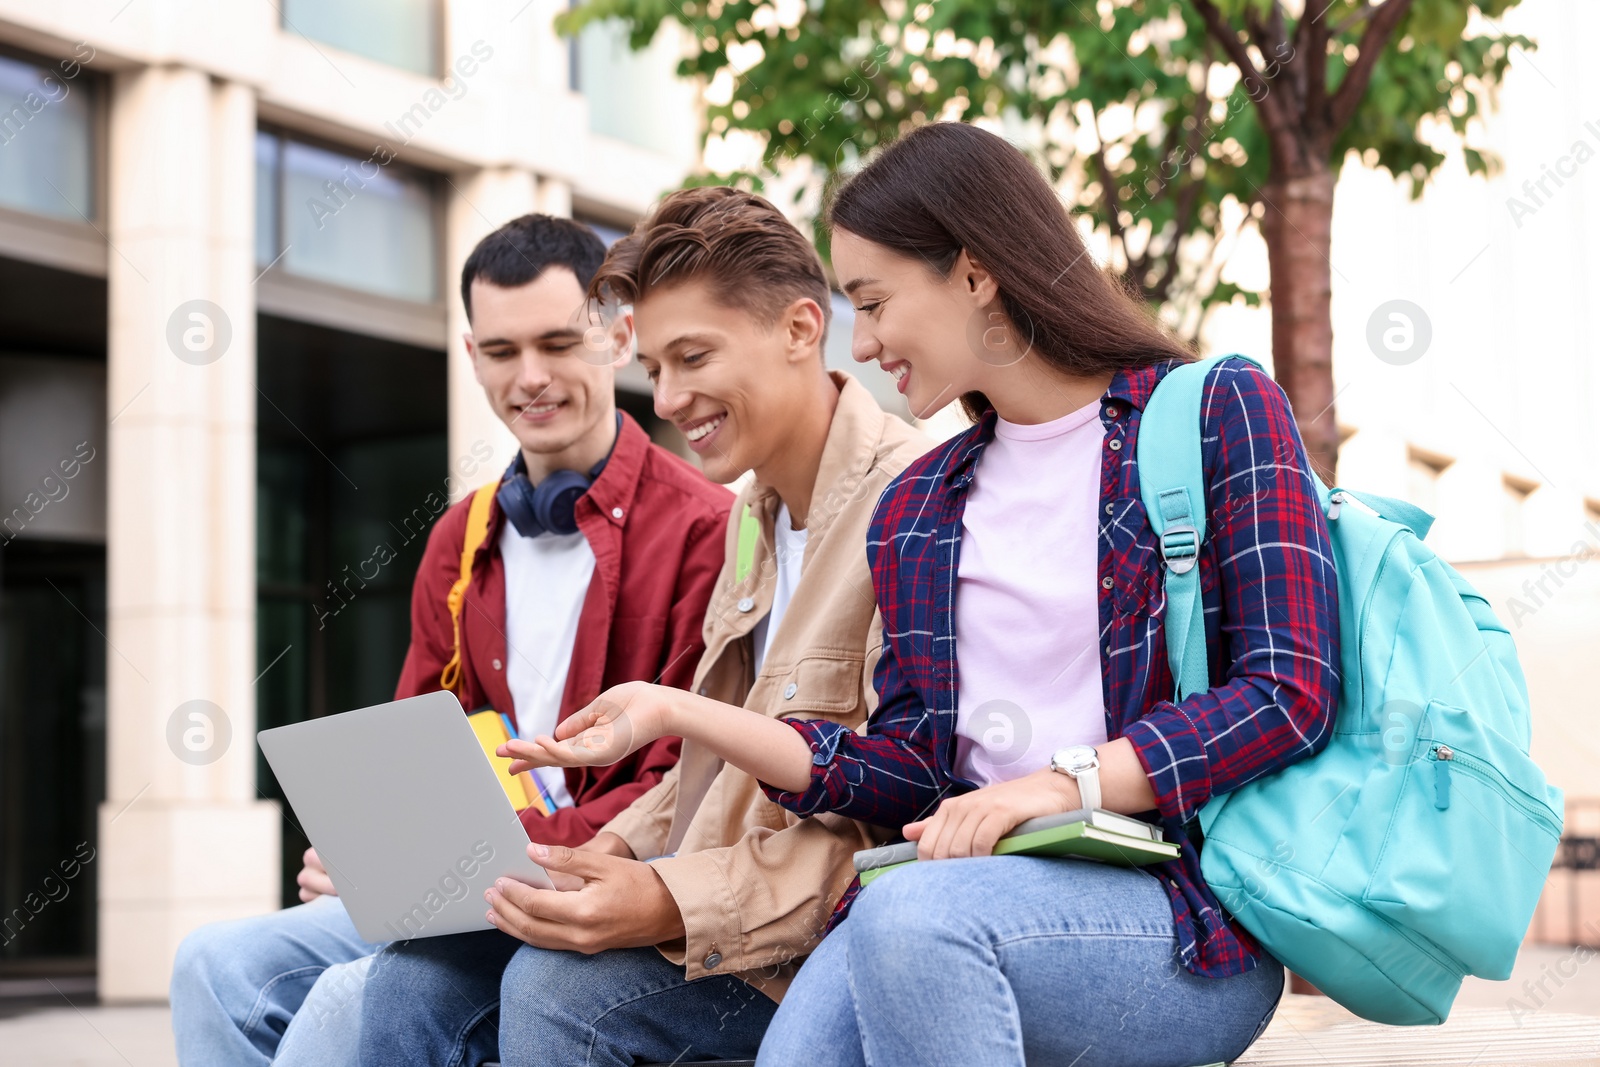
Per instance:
(621,720)
(970,824)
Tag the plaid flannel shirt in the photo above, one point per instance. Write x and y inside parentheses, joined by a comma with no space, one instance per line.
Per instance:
(1271,618)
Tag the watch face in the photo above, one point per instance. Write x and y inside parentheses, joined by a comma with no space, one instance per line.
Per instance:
(1079,758)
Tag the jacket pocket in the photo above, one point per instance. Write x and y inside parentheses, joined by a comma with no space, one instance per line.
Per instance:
(819,686)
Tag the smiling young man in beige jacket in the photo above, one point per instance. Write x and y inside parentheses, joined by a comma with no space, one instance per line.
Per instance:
(694,907)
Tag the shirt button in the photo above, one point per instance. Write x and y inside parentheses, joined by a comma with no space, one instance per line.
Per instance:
(1111,509)
(790,690)
(616,513)
(1112,411)
(712,960)
(1116,444)
(1106,583)
(746,603)
(497,664)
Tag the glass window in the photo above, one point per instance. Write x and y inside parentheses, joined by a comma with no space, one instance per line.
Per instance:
(354,222)
(401,33)
(268,243)
(46,139)
(52,444)
(629,92)
(351,473)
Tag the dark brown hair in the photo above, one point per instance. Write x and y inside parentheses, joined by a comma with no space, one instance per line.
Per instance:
(948,186)
(737,243)
(524,248)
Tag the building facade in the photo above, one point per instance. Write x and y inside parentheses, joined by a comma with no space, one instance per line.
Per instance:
(233,397)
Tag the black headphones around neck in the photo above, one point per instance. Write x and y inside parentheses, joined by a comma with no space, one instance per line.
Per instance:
(550,506)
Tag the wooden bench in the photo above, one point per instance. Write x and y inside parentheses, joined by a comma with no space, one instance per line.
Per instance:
(1316,1032)
(1311,1031)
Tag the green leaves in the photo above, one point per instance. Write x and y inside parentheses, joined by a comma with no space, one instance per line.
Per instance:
(1132,107)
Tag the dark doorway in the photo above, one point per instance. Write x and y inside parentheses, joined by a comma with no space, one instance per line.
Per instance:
(351,442)
(52,616)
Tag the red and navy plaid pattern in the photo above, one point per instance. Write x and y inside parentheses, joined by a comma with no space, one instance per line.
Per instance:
(1271,613)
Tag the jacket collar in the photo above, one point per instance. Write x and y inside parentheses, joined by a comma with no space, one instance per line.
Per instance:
(612,491)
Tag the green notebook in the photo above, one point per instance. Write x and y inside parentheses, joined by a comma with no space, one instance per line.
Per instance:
(1093,835)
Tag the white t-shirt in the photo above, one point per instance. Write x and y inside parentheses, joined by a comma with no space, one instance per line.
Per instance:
(790,547)
(1027,613)
(547,578)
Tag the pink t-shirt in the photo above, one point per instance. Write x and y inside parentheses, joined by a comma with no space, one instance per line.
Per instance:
(1027,604)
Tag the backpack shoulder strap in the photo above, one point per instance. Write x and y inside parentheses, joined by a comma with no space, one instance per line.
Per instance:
(749,537)
(477,530)
(1173,488)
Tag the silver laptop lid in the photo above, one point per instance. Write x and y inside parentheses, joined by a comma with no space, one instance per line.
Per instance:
(406,812)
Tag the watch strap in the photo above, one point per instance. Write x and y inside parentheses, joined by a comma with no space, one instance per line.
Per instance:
(1088,781)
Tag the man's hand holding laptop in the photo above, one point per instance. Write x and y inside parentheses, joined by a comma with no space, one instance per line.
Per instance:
(313,879)
(604,897)
(601,901)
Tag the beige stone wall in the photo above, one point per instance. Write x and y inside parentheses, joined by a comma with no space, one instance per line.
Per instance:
(184,837)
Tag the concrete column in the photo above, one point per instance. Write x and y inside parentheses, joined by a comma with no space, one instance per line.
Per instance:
(478,205)
(183,838)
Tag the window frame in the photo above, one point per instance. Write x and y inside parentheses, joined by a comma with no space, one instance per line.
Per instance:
(282,292)
(78,244)
(438,28)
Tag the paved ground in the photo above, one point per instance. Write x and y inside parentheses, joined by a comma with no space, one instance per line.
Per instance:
(1548,982)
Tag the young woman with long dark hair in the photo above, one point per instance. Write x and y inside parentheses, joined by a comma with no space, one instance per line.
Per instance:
(1019,550)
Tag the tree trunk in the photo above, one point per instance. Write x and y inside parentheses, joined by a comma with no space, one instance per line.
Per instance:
(1298,230)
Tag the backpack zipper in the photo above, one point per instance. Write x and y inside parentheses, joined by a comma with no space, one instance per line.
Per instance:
(1444,757)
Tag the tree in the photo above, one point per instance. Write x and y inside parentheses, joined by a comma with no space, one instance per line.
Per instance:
(1168,125)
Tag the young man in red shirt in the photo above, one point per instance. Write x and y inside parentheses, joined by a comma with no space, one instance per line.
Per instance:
(591,565)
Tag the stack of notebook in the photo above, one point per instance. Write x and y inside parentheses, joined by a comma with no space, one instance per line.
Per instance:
(1093,834)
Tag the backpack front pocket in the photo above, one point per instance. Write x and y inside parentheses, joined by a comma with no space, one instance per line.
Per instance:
(1467,791)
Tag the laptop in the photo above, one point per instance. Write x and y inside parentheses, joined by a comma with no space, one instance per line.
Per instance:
(407,813)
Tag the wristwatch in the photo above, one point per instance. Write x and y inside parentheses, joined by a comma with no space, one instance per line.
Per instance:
(1082,764)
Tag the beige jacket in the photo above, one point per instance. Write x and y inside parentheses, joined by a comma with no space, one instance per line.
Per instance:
(755,883)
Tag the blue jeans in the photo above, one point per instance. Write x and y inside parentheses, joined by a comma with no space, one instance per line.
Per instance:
(1013,959)
(444,1001)
(237,986)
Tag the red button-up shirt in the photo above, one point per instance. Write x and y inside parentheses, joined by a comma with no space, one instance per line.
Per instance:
(656,527)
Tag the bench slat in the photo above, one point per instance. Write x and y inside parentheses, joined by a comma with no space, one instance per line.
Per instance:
(1315,1031)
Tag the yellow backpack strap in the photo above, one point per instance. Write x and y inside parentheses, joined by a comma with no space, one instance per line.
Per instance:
(477,530)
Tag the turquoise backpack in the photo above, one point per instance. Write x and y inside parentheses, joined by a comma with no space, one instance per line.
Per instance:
(1412,850)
